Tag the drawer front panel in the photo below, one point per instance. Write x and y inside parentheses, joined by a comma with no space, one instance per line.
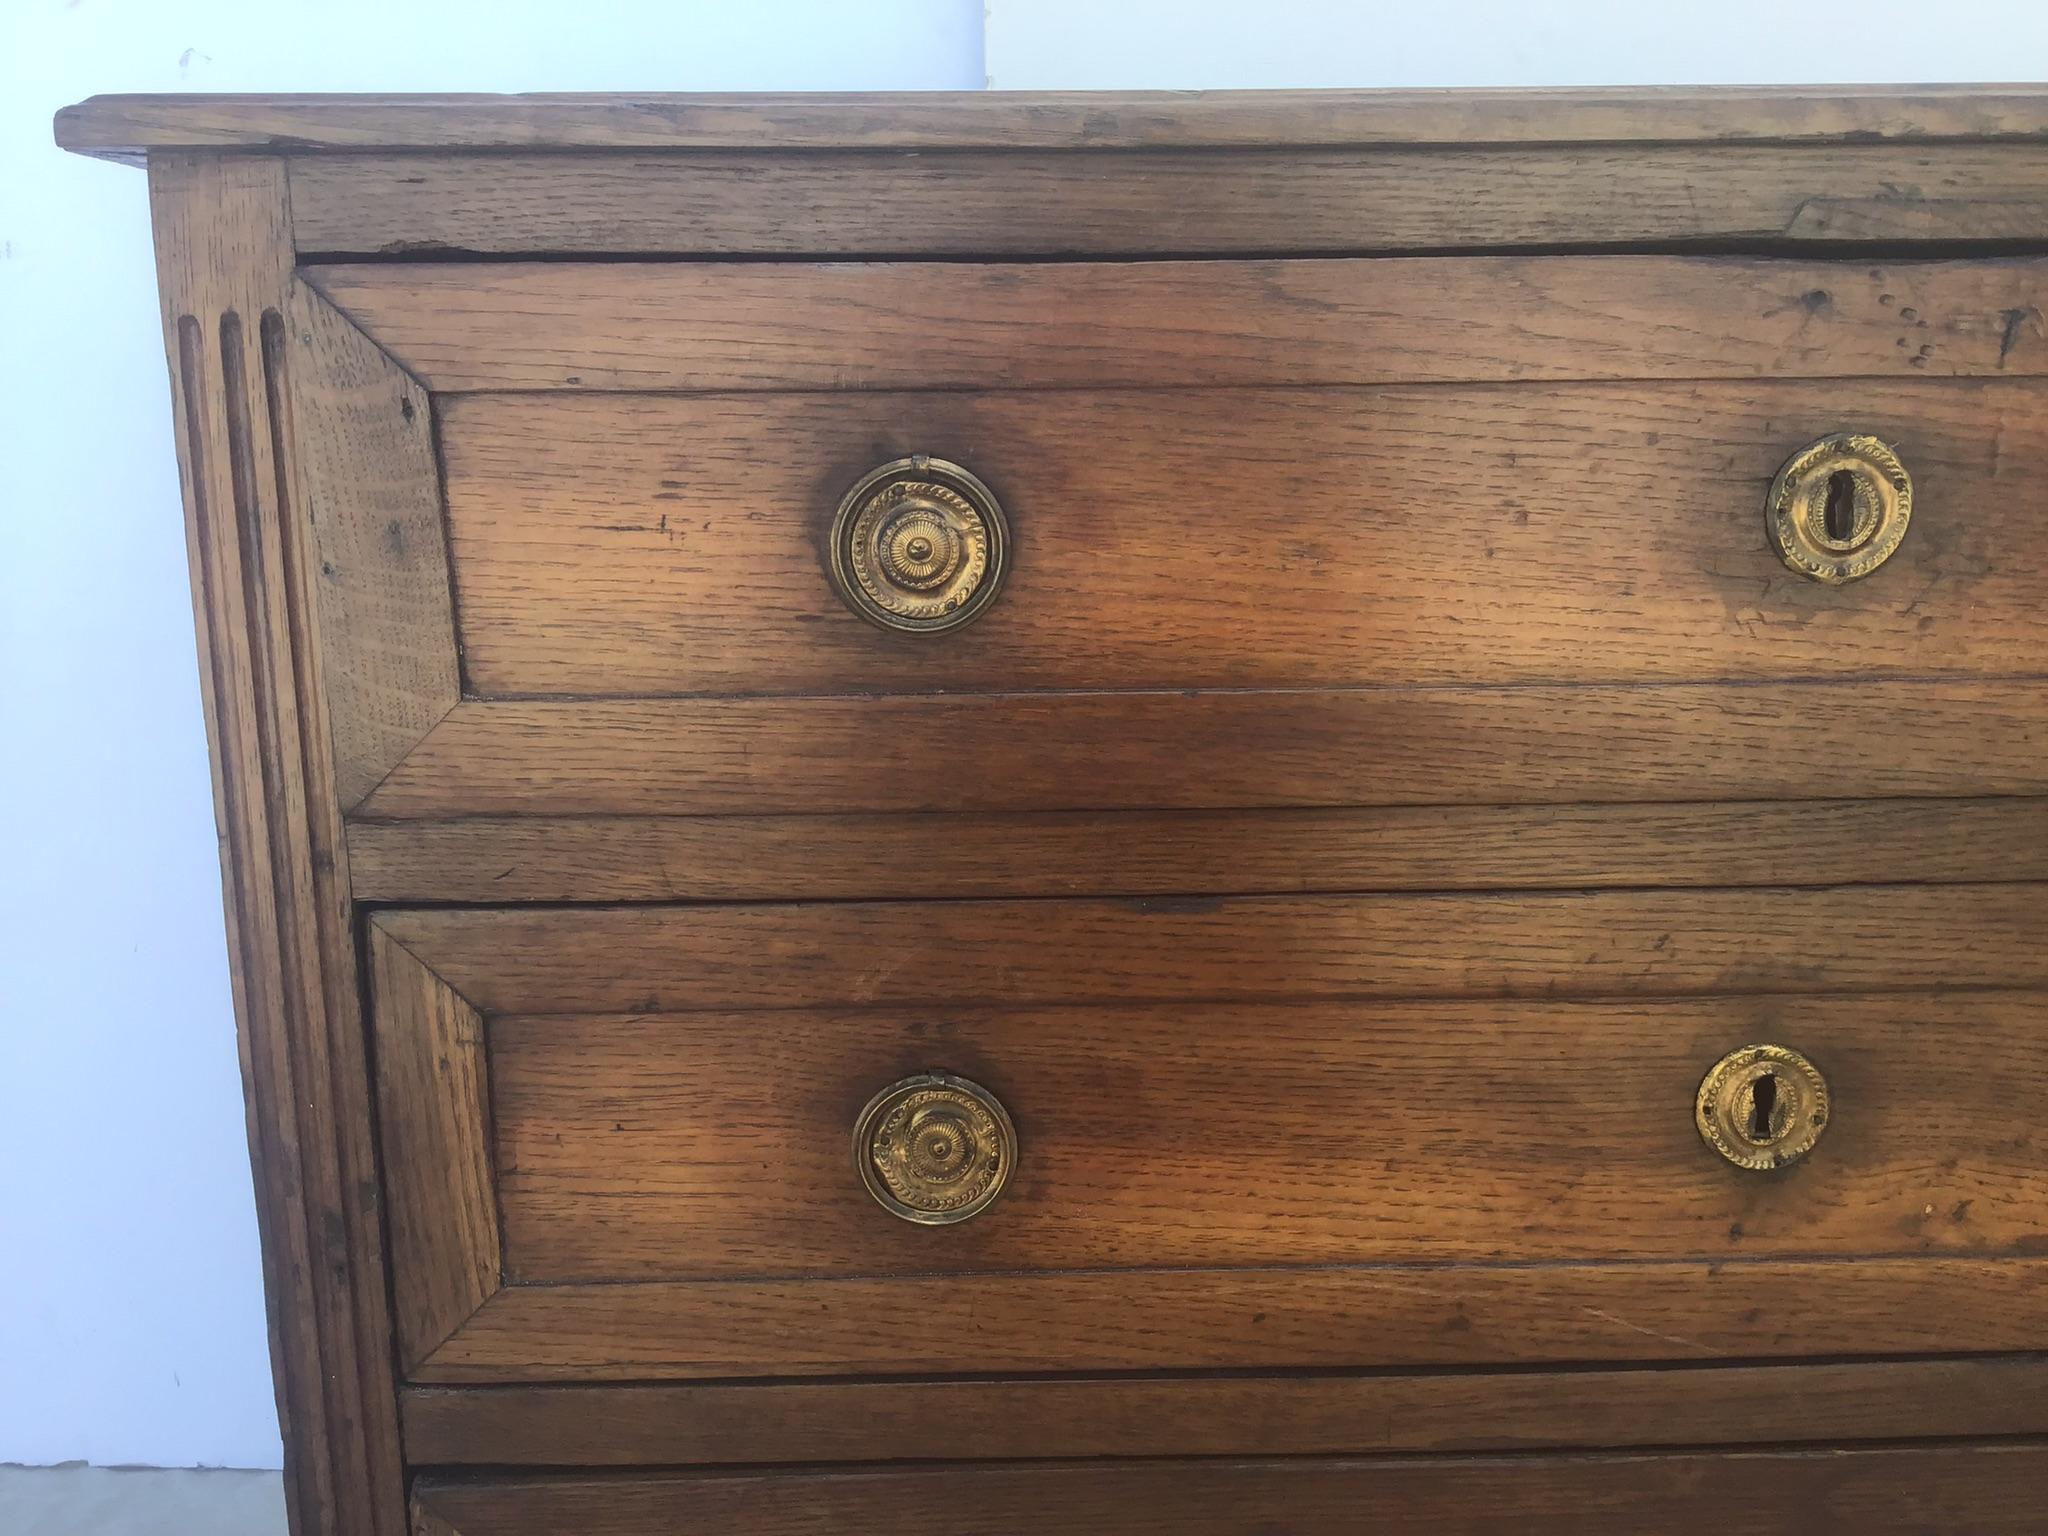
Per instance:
(1983,1489)
(651,1147)
(606,1159)
(1280,533)
(665,544)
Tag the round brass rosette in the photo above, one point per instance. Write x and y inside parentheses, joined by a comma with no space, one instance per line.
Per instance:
(1763,1106)
(934,1149)
(919,545)
(1839,508)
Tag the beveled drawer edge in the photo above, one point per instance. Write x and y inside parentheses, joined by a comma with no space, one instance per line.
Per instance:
(1305,1318)
(1190,751)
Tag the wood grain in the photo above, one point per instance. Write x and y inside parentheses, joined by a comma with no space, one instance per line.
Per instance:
(223,260)
(1331,1414)
(433,1101)
(947,955)
(132,125)
(364,439)
(1189,751)
(703,1146)
(1236,201)
(1249,1319)
(1543,786)
(712,326)
(1988,1490)
(1139,853)
(1228,539)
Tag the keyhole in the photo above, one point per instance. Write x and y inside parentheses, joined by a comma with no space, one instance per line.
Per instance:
(1840,515)
(1763,1104)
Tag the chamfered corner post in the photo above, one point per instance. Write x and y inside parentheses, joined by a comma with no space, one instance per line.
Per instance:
(224,261)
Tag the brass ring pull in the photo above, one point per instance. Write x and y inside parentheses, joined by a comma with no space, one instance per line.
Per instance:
(1763,1106)
(1839,508)
(934,1148)
(919,545)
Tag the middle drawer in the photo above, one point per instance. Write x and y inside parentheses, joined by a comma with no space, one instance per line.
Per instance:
(622,1142)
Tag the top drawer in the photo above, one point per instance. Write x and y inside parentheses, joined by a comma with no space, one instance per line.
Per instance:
(643,465)
(1220,475)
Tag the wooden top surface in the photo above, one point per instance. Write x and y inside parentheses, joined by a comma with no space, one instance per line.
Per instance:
(129,127)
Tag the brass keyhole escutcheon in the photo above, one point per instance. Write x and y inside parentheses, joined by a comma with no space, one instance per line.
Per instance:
(919,545)
(1839,508)
(1763,1106)
(934,1148)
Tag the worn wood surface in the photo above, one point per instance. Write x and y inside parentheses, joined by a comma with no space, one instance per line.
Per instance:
(709,326)
(433,1103)
(1172,751)
(1249,1319)
(1987,1490)
(938,956)
(363,432)
(734,202)
(1193,1134)
(132,125)
(1323,1414)
(223,260)
(1138,853)
(1195,538)
(1375,1141)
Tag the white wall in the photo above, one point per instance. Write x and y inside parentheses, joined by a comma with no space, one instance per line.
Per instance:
(131,1320)
(1190,44)
(131,1313)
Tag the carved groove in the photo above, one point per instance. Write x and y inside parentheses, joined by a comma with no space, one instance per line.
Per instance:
(244,827)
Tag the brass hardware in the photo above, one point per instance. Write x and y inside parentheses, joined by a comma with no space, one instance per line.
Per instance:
(919,545)
(1839,508)
(934,1149)
(1763,1106)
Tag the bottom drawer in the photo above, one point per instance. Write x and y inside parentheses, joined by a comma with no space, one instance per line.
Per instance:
(1981,1489)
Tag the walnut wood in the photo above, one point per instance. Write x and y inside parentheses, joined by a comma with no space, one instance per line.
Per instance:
(1178,751)
(714,1145)
(1215,539)
(1136,853)
(824,1421)
(1987,1490)
(945,955)
(128,126)
(708,326)
(364,436)
(223,261)
(433,1095)
(978,202)
(1253,1319)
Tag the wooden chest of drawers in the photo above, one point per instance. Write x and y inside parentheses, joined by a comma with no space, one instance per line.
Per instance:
(1199,814)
